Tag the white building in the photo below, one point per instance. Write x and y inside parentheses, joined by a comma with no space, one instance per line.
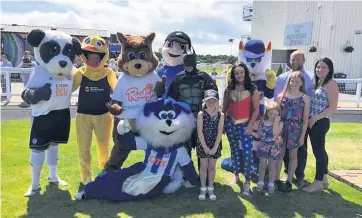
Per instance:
(329,26)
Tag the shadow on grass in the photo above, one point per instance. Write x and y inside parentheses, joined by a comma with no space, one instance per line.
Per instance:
(327,204)
(58,203)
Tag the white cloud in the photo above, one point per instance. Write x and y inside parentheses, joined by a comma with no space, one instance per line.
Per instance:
(209,23)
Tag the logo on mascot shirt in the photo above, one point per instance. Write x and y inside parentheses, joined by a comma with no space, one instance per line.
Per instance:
(61,89)
(157,161)
(134,94)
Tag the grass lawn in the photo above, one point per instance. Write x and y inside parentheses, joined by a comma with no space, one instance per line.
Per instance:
(345,151)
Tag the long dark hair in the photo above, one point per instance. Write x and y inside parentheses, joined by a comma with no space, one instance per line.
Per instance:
(248,84)
(330,74)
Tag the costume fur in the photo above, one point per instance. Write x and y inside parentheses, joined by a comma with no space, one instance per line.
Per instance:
(48,91)
(95,83)
(256,56)
(165,127)
(176,45)
(135,87)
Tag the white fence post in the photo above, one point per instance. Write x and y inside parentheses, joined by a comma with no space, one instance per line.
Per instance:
(358,93)
(8,86)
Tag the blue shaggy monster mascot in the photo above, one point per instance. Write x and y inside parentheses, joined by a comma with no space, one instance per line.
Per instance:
(164,127)
(257,57)
(176,45)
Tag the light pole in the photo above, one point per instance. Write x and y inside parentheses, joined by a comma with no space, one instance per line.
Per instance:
(231,46)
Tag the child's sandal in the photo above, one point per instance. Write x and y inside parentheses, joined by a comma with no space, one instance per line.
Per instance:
(210,190)
(202,195)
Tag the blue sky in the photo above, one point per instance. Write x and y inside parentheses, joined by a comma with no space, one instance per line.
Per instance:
(209,23)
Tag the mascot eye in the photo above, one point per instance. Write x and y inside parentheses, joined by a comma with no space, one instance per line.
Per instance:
(249,59)
(99,43)
(257,60)
(163,115)
(169,45)
(70,51)
(182,47)
(142,55)
(54,50)
(87,41)
(171,115)
(131,56)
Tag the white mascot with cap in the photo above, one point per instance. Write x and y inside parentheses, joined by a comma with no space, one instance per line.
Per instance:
(176,45)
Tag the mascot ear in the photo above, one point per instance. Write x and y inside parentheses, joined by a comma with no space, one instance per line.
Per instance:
(241,45)
(77,46)
(268,46)
(35,37)
(150,37)
(121,38)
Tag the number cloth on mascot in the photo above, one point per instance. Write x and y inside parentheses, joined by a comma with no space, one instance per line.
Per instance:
(95,83)
(135,87)
(176,45)
(48,91)
(256,56)
(164,127)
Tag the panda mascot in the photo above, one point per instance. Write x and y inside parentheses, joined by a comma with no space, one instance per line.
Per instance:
(164,126)
(48,91)
(176,45)
(256,55)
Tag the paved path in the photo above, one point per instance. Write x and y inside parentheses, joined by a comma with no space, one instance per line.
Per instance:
(351,177)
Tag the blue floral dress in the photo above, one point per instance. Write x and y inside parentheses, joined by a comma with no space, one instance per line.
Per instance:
(292,116)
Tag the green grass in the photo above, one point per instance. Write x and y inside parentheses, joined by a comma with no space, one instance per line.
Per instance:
(343,144)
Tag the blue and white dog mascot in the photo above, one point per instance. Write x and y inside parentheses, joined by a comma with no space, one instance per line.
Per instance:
(164,126)
(257,57)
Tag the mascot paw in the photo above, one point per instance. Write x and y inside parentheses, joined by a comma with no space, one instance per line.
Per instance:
(270,77)
(114,109)
(187,184)
(160,87)
(123,127)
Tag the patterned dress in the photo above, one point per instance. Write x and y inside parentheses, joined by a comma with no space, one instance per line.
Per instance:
(270,145)
(292,116)
(210,127)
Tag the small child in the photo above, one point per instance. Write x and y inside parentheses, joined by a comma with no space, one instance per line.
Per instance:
(210,125)
(269,145)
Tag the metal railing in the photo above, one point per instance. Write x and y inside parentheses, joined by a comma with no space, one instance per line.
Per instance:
(350,89)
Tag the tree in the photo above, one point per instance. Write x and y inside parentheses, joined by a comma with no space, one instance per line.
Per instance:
(279,70)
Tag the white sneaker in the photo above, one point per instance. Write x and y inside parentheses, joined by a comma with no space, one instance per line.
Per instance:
(79,196)
(271,188)
(57,180)
(260,186)
(31,191)
(246,189)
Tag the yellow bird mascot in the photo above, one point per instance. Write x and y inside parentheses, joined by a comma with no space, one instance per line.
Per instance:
(95,82)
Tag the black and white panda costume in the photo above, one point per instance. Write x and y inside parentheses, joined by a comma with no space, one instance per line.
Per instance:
(48,91)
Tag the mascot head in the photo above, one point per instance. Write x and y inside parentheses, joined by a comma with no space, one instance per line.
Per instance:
(166,123)
(176,45)
(95,53)
(54,50)
(137,57)
(256,55)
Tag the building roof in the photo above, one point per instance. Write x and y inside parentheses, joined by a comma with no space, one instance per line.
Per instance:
(16,28)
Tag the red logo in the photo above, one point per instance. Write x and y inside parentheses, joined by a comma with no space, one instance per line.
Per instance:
(135,95)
